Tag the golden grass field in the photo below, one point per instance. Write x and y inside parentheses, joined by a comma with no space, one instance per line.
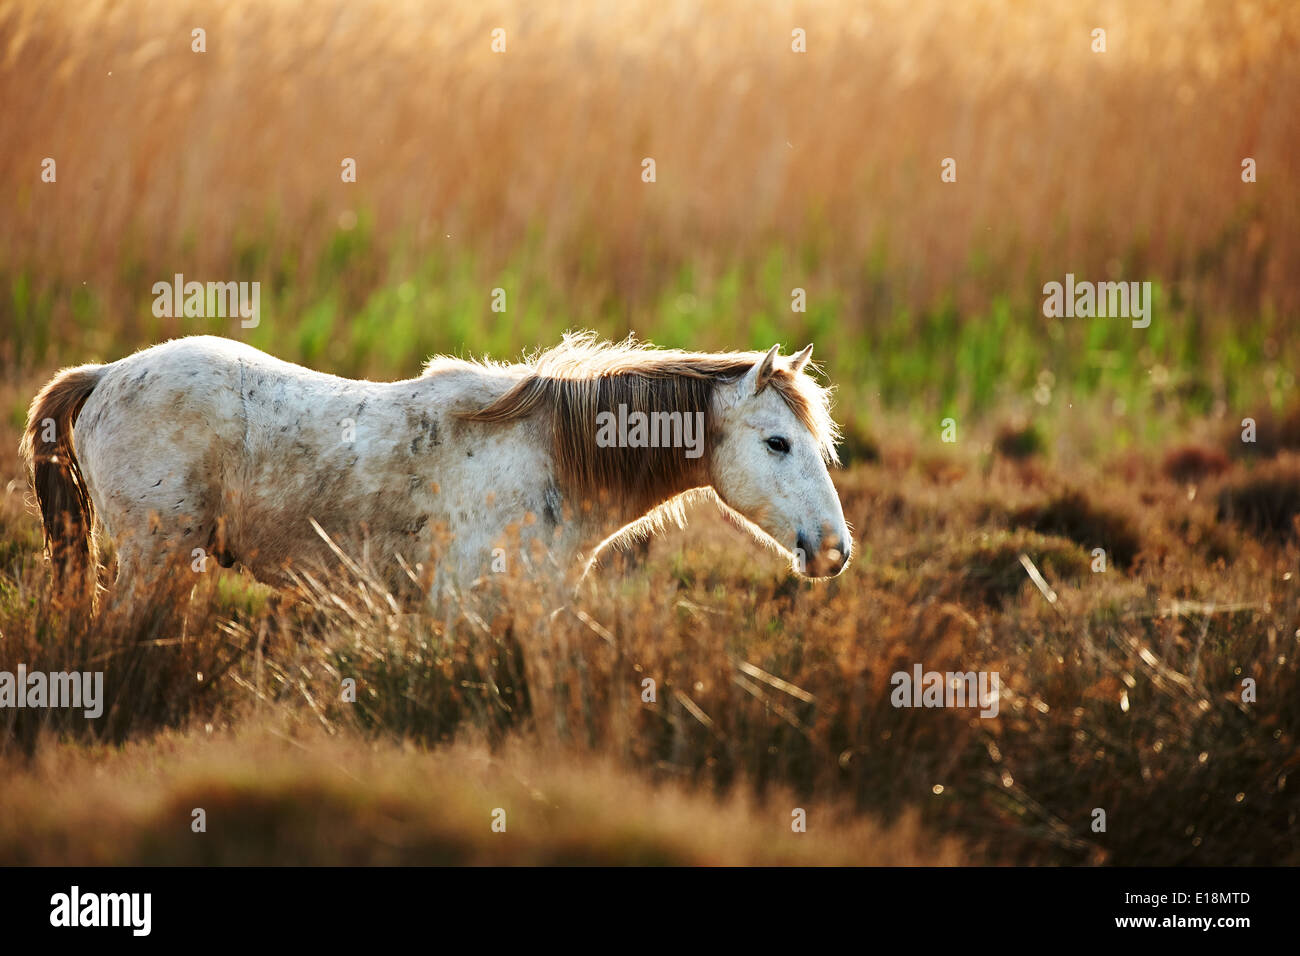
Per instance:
(775,170)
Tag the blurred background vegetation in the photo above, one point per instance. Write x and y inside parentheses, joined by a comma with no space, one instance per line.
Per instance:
(775,170)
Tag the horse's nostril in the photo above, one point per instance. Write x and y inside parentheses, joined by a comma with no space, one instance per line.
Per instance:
(805,548)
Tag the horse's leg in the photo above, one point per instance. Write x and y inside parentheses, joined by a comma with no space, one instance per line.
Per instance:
(158,566)
(131,587)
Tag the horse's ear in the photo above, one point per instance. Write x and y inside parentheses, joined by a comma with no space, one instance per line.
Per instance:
(762,372)
(798,362)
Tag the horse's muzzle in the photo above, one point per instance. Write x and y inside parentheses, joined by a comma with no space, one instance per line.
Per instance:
(825,559)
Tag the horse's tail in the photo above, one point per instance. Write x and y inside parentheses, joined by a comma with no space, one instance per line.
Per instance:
(53,469)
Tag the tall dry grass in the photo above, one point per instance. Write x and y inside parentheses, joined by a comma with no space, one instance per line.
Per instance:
(226,164)
(1126,694)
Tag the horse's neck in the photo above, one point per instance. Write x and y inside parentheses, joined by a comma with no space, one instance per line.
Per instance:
(588,524)
(583,521)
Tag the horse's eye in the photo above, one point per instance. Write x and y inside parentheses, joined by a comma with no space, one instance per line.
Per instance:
(779,444)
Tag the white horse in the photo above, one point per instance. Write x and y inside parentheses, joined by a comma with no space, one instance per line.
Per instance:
(204,446)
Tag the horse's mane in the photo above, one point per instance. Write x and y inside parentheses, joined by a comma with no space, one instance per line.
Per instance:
(582,377)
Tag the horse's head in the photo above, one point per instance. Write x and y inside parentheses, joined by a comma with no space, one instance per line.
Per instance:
(773,441)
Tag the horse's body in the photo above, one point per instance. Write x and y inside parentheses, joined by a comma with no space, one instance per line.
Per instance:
(206,447)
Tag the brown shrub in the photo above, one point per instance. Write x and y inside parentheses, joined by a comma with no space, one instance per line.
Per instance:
(1189,463)
(1072,515)
(1018,440)
(986,569)
(1265,502)
(1274,433)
